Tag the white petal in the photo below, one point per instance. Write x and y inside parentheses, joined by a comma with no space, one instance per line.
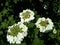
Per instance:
(24,34)
(18,42)
(42,29)
(20,35)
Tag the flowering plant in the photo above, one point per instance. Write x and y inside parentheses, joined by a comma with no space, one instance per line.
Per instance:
(18,32)
(29,22)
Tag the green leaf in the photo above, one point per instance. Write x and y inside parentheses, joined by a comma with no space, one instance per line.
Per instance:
(1,32)
(23,43)
(7,3)
(5,11)
(36,41)
(4,25)
(0,17)
(15,1)
(30,24)
(11,20)
(52,35)
(36,30)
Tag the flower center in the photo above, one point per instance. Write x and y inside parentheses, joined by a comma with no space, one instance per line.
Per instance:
(44,23)
(26,15)
(15,30)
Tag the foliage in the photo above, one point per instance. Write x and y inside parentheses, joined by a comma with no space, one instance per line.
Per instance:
(9,14)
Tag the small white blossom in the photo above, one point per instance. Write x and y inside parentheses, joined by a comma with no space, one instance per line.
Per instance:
(27,15)
(45,6)
(44,24)
(16,33)
(54,31)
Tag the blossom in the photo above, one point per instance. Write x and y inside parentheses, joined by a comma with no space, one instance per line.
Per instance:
(54,31)
(45,6)
(44,24)
(27,15)
(16,33)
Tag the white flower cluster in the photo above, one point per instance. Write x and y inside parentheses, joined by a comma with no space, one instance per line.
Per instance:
(44,24)
(16,33)
(27,15)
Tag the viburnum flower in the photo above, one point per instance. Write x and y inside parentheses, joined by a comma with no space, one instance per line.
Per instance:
(27,15)
(44,24)
(16,33)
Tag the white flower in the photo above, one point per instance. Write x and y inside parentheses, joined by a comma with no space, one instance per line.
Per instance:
(44,24)
(45,6)
(27,15)
(54,31)
(16,33)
